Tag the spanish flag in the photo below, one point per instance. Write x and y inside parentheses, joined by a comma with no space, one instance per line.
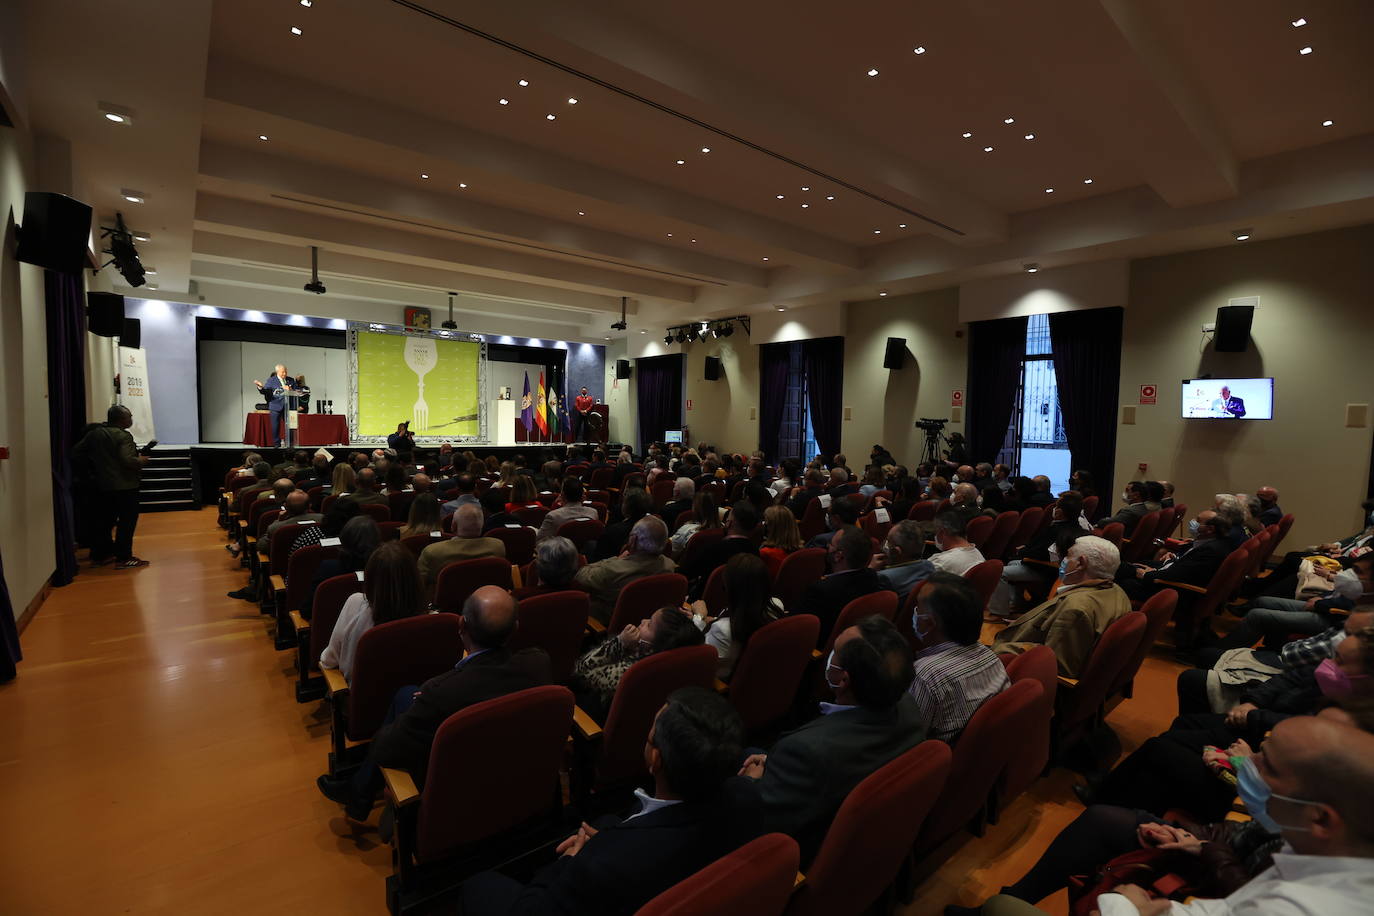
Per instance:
(541,410)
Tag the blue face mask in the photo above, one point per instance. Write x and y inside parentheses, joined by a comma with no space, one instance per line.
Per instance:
(1192,527)
(916,627)
(1063,567)
(1255,793)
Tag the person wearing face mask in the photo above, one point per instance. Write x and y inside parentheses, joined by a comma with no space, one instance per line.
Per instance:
(953,672)
(598,672)
(899,564)
(1085,604)
(1194,565)
(810,770)
(1275,619)
(1134,507)
(1169,771)
(956,555)
(847,556)
(1037,575)
(843,510)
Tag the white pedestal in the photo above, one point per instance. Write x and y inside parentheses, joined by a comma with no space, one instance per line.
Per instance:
(503,416)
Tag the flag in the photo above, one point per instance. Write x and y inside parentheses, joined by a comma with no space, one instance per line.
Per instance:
(555,408)
(527,407)
(541,410)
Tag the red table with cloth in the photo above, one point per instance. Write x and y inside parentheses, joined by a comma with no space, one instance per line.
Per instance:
(311,429)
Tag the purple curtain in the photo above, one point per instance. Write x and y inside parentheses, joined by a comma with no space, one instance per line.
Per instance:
(1087,369)
(773,363)
(9,633)
(823,363)
(66,324)
(658,382)
(995,351)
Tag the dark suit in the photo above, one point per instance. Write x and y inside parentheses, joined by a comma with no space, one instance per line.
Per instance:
(627,863)
(812,768)
(1129,516)
(1195,566)
(827,597)
(1271,516)
(718,554)
(672,510)
(276,404)
(1041,498)
(495,673)
(799,502)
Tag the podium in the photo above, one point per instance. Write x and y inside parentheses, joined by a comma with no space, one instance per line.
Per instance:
(504,413)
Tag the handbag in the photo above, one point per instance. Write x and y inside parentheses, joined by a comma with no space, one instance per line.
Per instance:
(1161,872)
(1311,583)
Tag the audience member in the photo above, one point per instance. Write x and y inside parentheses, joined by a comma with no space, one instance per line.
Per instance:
(423,517)
(1042,496)
(597,674)
(329,527)
(358,538)
(684,489)
(1276,619)
(1192,565)
(813,485)
(842,511)
(1020,574)
(899,564)
(738,539)
(705,514)
(572,507)
(465,485)
(1270,513)
(108,459)
(1135,508)
(953,672)
(749,605)
(635,503)
(391,591)
(956,555)
(780,537)
(365,491)
(555,565)
(847,556)
(643,556)
(343,480)
(466,544)
(293,509)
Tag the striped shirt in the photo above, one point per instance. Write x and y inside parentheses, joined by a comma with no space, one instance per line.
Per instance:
(951,681)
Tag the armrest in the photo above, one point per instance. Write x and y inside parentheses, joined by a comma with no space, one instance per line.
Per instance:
(1183,585)
(585,725)
(798,881)
(515,577)
(721,687)
(400,787)
(595,625)
(243,524)
(299,623)
(1070,682)
(334,681)
(278,584)
(253,542)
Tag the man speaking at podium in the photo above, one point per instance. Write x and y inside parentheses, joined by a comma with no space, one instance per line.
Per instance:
(275,391)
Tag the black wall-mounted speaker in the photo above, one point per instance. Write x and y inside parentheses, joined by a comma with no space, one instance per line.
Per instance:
(895,353)
(712,368)
(105,314)
(622,368)
(131,335)
(1233,328)
(55,232)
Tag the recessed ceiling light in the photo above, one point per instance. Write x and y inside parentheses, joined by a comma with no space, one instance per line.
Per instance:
(152,286)
(877,232)
(682,162)
(1031,268)
(642,331)
(307,3)
(1299,23)
(462,184)
(670,235)
(872,72)
(901,225)
(116,117)
(1307,50)
(262,136)
(572,101)
(805,206)
(706,149)
(581,212)
(524,82)
(805,188)
(987,149)
(1030,136)
(550,117)
(141,236)
(1240,234)
(424,175)
(967,134)
(780,197)
(608,338)
(694,241)
(1008,120)
(1326,123)
(919,49)
(503,101)
(765,260)
(295,31)
(1087,181)
(780,308)
(150,271)
(830,197)
(882,292)
(133,197)
(1049,190)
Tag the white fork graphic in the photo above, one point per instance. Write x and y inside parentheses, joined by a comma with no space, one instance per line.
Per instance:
(421,355)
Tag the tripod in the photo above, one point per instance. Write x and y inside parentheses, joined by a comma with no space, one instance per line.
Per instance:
(935,438)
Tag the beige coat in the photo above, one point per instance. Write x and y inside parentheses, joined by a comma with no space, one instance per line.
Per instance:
(604,580)
(1069,623)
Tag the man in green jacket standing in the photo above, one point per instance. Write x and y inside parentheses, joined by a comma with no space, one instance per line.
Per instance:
(109,453)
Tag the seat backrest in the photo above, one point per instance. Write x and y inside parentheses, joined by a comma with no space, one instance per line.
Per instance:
(390,531)
(300,573)
(379,512)
(980,756)
(699,543)
(1003,527)
(1090,504)
(581,531)
(799,569)
(416,543)
(1158,610)
(643,689)
(329,602)
(754,880)
(812,521)
(461,578)
(519,541)
(883,603)
(316,495)
(873,832)
(327,503)
(984,577)
(391,655)
(1025,766)
(1026,527)
(282,539)
(1142,538)
(602,478)
(683,518)
(399,504)
(1270,543)
(770,668)
(554,622)
(1114,532)
(923,511)
(979,530)
(1223,584)
(714,593)
(877,523)
(262,516)
(531,516)
(1109,657)
(642,597)
(515,741)
(1254,545)
(662,491)
(1047,517)
(1284,524)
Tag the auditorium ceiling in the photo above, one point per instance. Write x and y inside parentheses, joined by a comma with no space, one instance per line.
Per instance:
(700,159)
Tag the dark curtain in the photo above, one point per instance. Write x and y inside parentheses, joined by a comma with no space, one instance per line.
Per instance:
(823,363)
(995,351)
(658,383)
(9,632)
(773,363)
(66,323)
(1087,369)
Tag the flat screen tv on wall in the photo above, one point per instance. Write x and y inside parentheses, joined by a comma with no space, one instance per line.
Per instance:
(1228,399)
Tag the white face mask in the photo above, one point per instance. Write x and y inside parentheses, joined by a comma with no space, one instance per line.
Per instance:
(1347,585)
(916,626)
(830,663)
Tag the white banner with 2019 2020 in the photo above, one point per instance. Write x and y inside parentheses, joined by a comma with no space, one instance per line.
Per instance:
(134,393)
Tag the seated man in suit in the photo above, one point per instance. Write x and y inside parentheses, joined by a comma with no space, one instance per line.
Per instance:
(1043,494)
(466,544)
(698,812)
(295,508)
(1086,603)
(1192,565)
(1135,508)
(365,490)
(1270,513)
(635,503)
(642,557)
(811,769)
(487,671)
(847,556)
(463,491)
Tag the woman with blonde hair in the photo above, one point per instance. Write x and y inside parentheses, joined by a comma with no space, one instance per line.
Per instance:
(343,480)
(523,493)
(424,516)
(781,537)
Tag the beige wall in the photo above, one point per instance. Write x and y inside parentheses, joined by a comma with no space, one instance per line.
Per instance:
(620,396)
(26,525)
(1311,333)
(724,412)
(885,403)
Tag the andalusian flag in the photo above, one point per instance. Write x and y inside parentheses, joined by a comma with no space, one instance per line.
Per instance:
(555,411)
(527,407)
(541,410)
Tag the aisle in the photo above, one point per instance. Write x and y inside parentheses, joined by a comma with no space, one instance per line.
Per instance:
(155,760)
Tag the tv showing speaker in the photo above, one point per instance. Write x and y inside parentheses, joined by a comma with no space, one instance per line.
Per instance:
(1227,399)
(895,354)
(1233,328)
(622,368)
(131,334)
(712,368)
(105,314)
(55,232)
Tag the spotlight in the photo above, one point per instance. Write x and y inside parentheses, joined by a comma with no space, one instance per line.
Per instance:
(668,338)
(123,253)
(727,329)
(1031,268)
(692,334)
(1240,234)
(681,336)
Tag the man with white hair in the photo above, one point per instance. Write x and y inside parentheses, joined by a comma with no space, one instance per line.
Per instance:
(1087,601)
(275,390)
(642,556)
(684,491)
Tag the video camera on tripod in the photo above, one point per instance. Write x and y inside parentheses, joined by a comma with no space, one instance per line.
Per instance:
(934,436)
(930,425)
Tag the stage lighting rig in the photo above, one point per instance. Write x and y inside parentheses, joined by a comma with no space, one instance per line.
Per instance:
(123,253)
(703,330)
(315,286)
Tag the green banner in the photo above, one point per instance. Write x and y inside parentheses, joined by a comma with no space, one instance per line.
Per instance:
(429,381)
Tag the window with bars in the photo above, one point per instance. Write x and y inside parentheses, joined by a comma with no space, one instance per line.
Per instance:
(1035,441)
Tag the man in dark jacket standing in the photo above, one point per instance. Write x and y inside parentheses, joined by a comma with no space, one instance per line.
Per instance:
(108,451)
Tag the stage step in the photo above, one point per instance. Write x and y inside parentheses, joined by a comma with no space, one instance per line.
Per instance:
(170,482)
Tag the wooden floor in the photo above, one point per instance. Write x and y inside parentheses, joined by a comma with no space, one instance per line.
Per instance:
(153,758)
